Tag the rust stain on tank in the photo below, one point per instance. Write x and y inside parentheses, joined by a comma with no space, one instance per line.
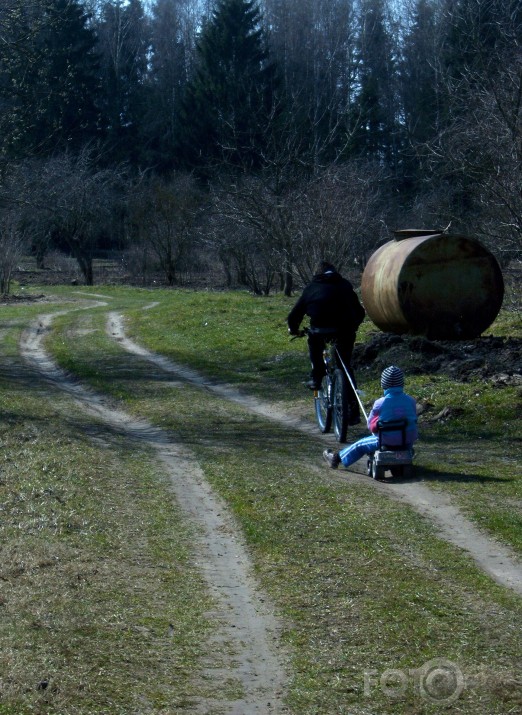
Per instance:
(438,285)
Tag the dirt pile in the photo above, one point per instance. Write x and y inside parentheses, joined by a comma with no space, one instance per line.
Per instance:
(495,359)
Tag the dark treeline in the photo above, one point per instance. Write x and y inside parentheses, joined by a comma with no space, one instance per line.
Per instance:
(257,136)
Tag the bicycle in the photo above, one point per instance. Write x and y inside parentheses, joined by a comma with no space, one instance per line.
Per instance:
(331,401)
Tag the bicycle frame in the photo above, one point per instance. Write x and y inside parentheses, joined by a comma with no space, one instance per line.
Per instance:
(331,401)
(356,392)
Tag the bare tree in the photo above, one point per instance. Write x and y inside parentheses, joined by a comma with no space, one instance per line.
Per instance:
(313,42)
(73,202)
(265,230)
(340,217)
(163,216)
(246,259)
(260,213)
(123,32)
(13,242)
(480,152)
(23,191)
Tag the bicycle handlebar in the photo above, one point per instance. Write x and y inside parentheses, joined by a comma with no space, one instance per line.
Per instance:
(328,333)
(299,334)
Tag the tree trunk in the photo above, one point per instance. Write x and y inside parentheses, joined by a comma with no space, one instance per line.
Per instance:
(289,283)
(40,258)
(85,263)
(228,272)
(89,274)
(170,273)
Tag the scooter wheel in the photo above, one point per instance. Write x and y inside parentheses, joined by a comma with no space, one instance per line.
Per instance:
(378,472)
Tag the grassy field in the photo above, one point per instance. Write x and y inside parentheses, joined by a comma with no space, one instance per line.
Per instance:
(96,557)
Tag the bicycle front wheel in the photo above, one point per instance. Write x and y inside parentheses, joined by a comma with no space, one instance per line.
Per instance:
(323,406)
(341,412)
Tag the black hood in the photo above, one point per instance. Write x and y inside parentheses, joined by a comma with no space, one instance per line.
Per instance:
(330,277)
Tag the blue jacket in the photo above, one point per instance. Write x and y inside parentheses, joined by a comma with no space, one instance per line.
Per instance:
(395,405)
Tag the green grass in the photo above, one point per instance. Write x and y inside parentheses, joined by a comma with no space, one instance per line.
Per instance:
(364,586)
(476,455)
(242,339)
(95,561)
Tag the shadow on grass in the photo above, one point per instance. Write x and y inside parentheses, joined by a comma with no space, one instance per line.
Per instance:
(432,475)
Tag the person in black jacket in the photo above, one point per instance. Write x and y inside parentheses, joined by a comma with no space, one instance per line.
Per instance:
(333,307)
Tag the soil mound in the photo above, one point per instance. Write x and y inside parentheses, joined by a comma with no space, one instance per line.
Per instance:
(496,359)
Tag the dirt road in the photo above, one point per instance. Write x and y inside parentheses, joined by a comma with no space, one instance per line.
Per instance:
(494,558)
(247,624)
(248,629)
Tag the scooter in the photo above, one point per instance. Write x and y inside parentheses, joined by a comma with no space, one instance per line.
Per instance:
(398,460)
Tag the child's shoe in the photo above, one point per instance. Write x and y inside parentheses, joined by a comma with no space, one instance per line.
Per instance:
(332,458)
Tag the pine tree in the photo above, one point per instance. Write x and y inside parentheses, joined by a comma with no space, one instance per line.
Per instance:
(376,105)
(421,93)
(228,103)
(50,80)
(172,50)
(125,44)
(419,79)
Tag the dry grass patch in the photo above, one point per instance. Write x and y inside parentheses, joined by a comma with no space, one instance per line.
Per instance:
(101,609)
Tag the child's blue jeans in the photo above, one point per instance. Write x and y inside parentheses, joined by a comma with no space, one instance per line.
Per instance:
(366,445)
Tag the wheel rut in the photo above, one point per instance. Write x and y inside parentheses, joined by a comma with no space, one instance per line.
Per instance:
(496,559)
(247,633)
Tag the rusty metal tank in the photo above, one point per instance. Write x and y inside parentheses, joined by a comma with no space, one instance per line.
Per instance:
(433,284)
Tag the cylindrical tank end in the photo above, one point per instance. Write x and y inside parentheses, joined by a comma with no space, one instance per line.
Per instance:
(440,286)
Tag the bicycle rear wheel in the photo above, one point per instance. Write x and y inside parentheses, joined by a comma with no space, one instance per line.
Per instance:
(323,405)
(341,411)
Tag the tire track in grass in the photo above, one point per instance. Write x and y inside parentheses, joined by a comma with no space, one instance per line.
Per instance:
(497,560)
(116,331)
(246,640)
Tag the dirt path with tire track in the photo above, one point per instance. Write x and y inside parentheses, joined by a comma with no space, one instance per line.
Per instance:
(496,559)
(247,634)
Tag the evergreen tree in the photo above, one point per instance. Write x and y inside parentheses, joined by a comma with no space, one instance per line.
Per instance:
(49,78)
(376,104)
(419,79)
(172,51)
(228,103)
(125,44)
(421,95)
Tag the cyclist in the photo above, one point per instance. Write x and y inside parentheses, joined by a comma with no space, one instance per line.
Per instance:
(333,307)
(395,405)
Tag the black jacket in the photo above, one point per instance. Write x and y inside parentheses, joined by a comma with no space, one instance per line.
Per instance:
(330,302)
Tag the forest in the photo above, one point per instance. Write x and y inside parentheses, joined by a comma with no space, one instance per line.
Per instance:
(253,138)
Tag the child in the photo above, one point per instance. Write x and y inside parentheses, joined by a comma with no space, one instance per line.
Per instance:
(395,405)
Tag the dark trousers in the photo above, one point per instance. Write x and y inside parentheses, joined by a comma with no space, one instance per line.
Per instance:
(345,343)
